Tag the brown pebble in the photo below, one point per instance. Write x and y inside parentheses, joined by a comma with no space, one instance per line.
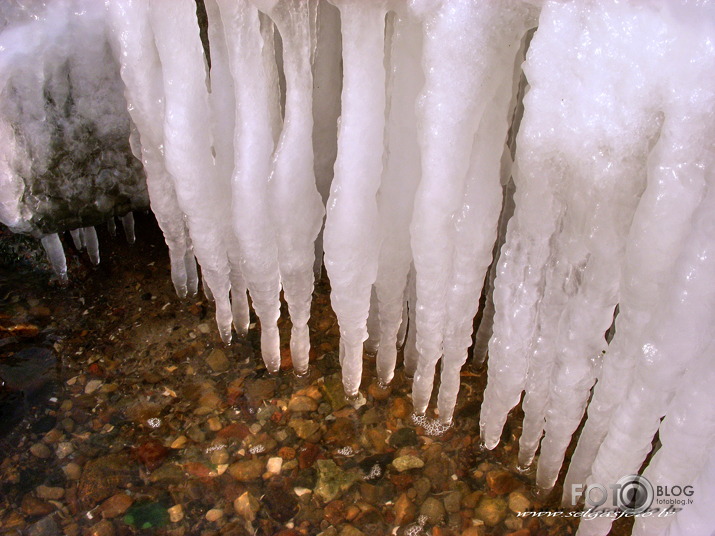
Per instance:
(501,482)
(400,408)
(50,493)
(40,450)
(404,509)
(32,506)
(116,505)
(103,528)
(379,393)
(474,531)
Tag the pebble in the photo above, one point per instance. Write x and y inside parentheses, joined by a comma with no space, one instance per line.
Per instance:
(501,482)
(64,449)
(491,510)
(246,506)
(72,471)
(32,506)
(179,442)
(405,463)
(519,502)
(214,514)
(404,509)
(247,470)
(477,530)
(433,509)
(176,513)
(116,505)
(92,386)
(217,360)
(453,501)
(214,424)
(299,403)
(103,528)
(49,493)
(274,465)
(304,428)
(40,450)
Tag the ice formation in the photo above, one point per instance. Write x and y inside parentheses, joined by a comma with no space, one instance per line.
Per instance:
(569,140)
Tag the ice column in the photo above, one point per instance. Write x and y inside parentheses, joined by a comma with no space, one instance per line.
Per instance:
(397,189)
(459,197)
(255,88)
(187,146)
(141,72)
(296,206)
(351,231)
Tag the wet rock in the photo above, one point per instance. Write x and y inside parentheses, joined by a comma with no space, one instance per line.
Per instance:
(72,471)
(453,502)
(176,513)
(50,493)
(307,455)
(259,391)
(280,503)
(304,428)
(236,430)
(400,408)
(477,530)
(501,482)
(379,393)
(116,505)
(520,532)
(151,454)
(334,512)
(217,360)
(404,509)
(332,481)
(471,500)
(247,506)
(102,477)
(287,453)
(349,530)
(404,437)
(491,510)
(433,509)
(519,502)
(103,528)
(214,515)
(341,432)
(407,462)
(40,450)
(274,465)
(47,526)
(167,474)
(300,403)
(32,506)
(92,386)
(247,470)
(334,392)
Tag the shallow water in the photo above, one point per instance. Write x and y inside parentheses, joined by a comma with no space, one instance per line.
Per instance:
(151,425)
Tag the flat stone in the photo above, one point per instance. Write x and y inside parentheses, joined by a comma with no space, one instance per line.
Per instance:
(519,502)
(404,509)
(332,481)
(47,526)
(116,505)
(304,428)
(334,391)
(246,506)
(50,493)
(92,386)
(32,506)
(300,403)
(101,478)
(407,462)
(501,482)
(453,502)
(40,450)
(404,437)
(217,360)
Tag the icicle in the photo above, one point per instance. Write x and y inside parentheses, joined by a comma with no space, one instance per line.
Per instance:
(402,331)
(686,434)
(141,72)
(351,230)
(410,355)
(112,227)
(76,235)
(187,146)
(454,223)
(296,207)
(699,517)
(128,225)
(372,343)
(397,189)
(56,255)
(256,105)
(89,237)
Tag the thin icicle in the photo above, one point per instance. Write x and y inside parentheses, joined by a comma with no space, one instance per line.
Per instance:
(76,235)
(128,225)
(89,237)
(56,255)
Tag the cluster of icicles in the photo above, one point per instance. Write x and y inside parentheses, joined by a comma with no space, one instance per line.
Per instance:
(424,133)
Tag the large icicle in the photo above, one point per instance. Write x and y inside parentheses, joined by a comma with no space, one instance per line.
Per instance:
(255,87)
(351,231)
(698,518)
(397,189)
(686,435)
(296,206)
(56,255)
(187,145)
(141,72)
(453,226)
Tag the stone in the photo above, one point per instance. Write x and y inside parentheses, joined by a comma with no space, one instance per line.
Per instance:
(116,505)
(404,437)
(92,386)
(400,408)
(304,428)
(404,509)
(477,530)
(47,526)
(176,513)
(520,532)
(179,442)
(102,477)
(214,424)
(453,501)
(334,512)
(334,391)
(280,503)
(72,471)
(519,502)
(103,528)
(349,530)
(151,453)
(214,515)
(433,509)
(379,393)
(246,506)
(247,470)
(332,481)
(299,403)
(491,510)
(501,482)
(342,432)
(64,449)
(407,462)
(259,391)
(217,360)
(274,465)
(50,493)
(32,506)
(40,450)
